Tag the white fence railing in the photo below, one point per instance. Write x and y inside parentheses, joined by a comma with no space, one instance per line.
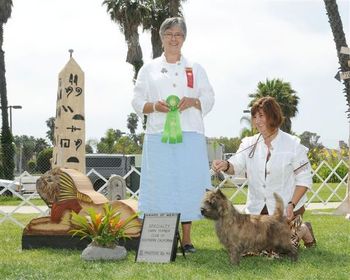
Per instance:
(337,190)
(322,192)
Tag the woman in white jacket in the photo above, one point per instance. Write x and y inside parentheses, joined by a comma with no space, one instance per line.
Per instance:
(175,169)
(274,161)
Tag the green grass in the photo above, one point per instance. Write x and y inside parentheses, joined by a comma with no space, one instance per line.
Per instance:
(329,260)
(326,192)
(13,201)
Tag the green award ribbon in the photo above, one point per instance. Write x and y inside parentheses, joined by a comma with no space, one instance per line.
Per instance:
(172,127)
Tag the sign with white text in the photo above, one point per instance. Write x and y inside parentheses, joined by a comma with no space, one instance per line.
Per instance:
(158,239)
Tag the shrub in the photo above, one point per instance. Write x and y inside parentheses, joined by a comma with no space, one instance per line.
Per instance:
(31,166)
(332,157)
(43,161)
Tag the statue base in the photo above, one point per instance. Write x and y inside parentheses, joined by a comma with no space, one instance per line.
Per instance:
(67,242)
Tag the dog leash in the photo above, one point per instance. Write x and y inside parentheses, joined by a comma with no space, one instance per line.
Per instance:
(215,175)
(252,152)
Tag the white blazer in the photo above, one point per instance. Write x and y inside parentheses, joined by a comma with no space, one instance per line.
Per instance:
(280,174)
(158,79)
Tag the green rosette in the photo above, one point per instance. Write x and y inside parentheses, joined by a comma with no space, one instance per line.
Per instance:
(172,128)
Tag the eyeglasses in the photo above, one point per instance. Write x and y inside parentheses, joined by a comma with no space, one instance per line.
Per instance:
(175,35)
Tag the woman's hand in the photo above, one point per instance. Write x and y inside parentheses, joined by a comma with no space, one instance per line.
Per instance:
(161,106)
(290,212)
(219,165)
(187,102)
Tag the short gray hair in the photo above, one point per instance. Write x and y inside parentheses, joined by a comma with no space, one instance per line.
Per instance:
(171,22)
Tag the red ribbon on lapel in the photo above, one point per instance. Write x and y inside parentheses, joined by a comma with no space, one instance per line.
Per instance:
(189,75)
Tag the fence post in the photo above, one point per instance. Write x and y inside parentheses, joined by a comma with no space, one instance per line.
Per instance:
(344,207)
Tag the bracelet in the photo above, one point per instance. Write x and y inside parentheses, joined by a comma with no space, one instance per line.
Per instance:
(154,107)
(228,166)
(290,202)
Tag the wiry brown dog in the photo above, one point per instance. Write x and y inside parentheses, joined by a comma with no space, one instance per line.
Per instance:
(242,233)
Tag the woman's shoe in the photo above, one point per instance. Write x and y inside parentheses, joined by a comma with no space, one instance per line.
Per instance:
(189,248)
(313,242)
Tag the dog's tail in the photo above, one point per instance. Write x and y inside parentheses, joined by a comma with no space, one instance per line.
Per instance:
(279,209)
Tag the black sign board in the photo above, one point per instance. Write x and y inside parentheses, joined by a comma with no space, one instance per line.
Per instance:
(158,239)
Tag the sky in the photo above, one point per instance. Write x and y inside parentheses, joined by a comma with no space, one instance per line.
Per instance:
(238,42)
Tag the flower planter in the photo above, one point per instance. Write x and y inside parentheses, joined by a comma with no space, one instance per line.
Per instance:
(93,253)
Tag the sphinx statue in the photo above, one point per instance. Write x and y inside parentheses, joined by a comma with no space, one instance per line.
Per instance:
(65,190)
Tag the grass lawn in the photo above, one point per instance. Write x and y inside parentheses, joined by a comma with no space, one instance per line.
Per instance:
(13,201)
(329,260)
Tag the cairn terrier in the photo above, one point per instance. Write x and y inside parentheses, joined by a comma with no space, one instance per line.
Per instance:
(243,233)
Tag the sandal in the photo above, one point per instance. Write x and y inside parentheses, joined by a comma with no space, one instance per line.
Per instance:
(313,242)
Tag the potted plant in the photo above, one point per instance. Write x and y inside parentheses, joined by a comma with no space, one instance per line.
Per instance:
(104,229)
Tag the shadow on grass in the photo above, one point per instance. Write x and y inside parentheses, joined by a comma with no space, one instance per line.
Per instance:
(217,260)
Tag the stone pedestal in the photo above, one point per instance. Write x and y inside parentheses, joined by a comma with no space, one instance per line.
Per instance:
(95,253)
(67,242)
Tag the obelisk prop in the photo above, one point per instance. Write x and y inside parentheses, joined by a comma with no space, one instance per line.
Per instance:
(69,134)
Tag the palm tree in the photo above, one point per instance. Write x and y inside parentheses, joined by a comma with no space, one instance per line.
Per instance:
(129,14)
(340,41)
(158,12)
(175,7)
(248,129)
(50,123)
(284,95)
(106,144)
(132,122)
(7,145)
